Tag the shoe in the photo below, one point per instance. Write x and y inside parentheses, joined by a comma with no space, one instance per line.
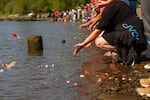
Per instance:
(145,82)
(143,91)
(131,62)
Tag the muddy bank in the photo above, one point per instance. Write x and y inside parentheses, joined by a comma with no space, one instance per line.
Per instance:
(106,81)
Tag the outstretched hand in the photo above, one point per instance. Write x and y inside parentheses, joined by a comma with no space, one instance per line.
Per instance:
(77,48)
(83,26)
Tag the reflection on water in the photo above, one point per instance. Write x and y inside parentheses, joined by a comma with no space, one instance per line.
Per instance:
(35,53)
(28,81)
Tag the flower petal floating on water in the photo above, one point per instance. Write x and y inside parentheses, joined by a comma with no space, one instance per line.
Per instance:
(15,35)
(44,83)
(1,70)
(9,65)
(75,84)
(46,66)
(67,81)
(4,65)
(40,66)
(53,65)
(74,38)
(70,82)
(43,66)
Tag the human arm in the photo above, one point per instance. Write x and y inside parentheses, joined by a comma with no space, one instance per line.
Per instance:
(85,24)
(103,3)
(95,20)
(89,39)
(91,23)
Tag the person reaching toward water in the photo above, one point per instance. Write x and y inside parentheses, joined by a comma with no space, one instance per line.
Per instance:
(91,23)
(99,6)
(123,33)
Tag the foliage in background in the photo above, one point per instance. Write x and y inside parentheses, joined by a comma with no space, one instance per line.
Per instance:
(8,7)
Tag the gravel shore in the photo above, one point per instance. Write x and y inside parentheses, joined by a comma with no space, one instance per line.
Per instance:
(107,81)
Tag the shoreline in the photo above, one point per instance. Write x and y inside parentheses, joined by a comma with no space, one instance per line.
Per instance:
(24,18)
(44,17)
(106,81)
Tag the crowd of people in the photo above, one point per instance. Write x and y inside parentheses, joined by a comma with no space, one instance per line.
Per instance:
(83,12)
(116,28)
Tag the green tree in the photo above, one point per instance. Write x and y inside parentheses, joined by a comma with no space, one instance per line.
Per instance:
(26,6)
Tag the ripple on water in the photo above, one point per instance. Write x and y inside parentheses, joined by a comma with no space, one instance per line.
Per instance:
(26,81)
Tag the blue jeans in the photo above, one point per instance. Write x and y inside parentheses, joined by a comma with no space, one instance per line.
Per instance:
(132,4)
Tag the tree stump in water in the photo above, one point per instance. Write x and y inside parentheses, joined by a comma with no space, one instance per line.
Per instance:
(35,45)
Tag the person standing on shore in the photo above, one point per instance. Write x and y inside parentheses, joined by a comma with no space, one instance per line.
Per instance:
(146,21)
(56,14)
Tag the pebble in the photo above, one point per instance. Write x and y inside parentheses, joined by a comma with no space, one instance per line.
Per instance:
(87,73)
(123,78)
(99,80)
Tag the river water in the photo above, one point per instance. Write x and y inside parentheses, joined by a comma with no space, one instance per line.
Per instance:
(26,80)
